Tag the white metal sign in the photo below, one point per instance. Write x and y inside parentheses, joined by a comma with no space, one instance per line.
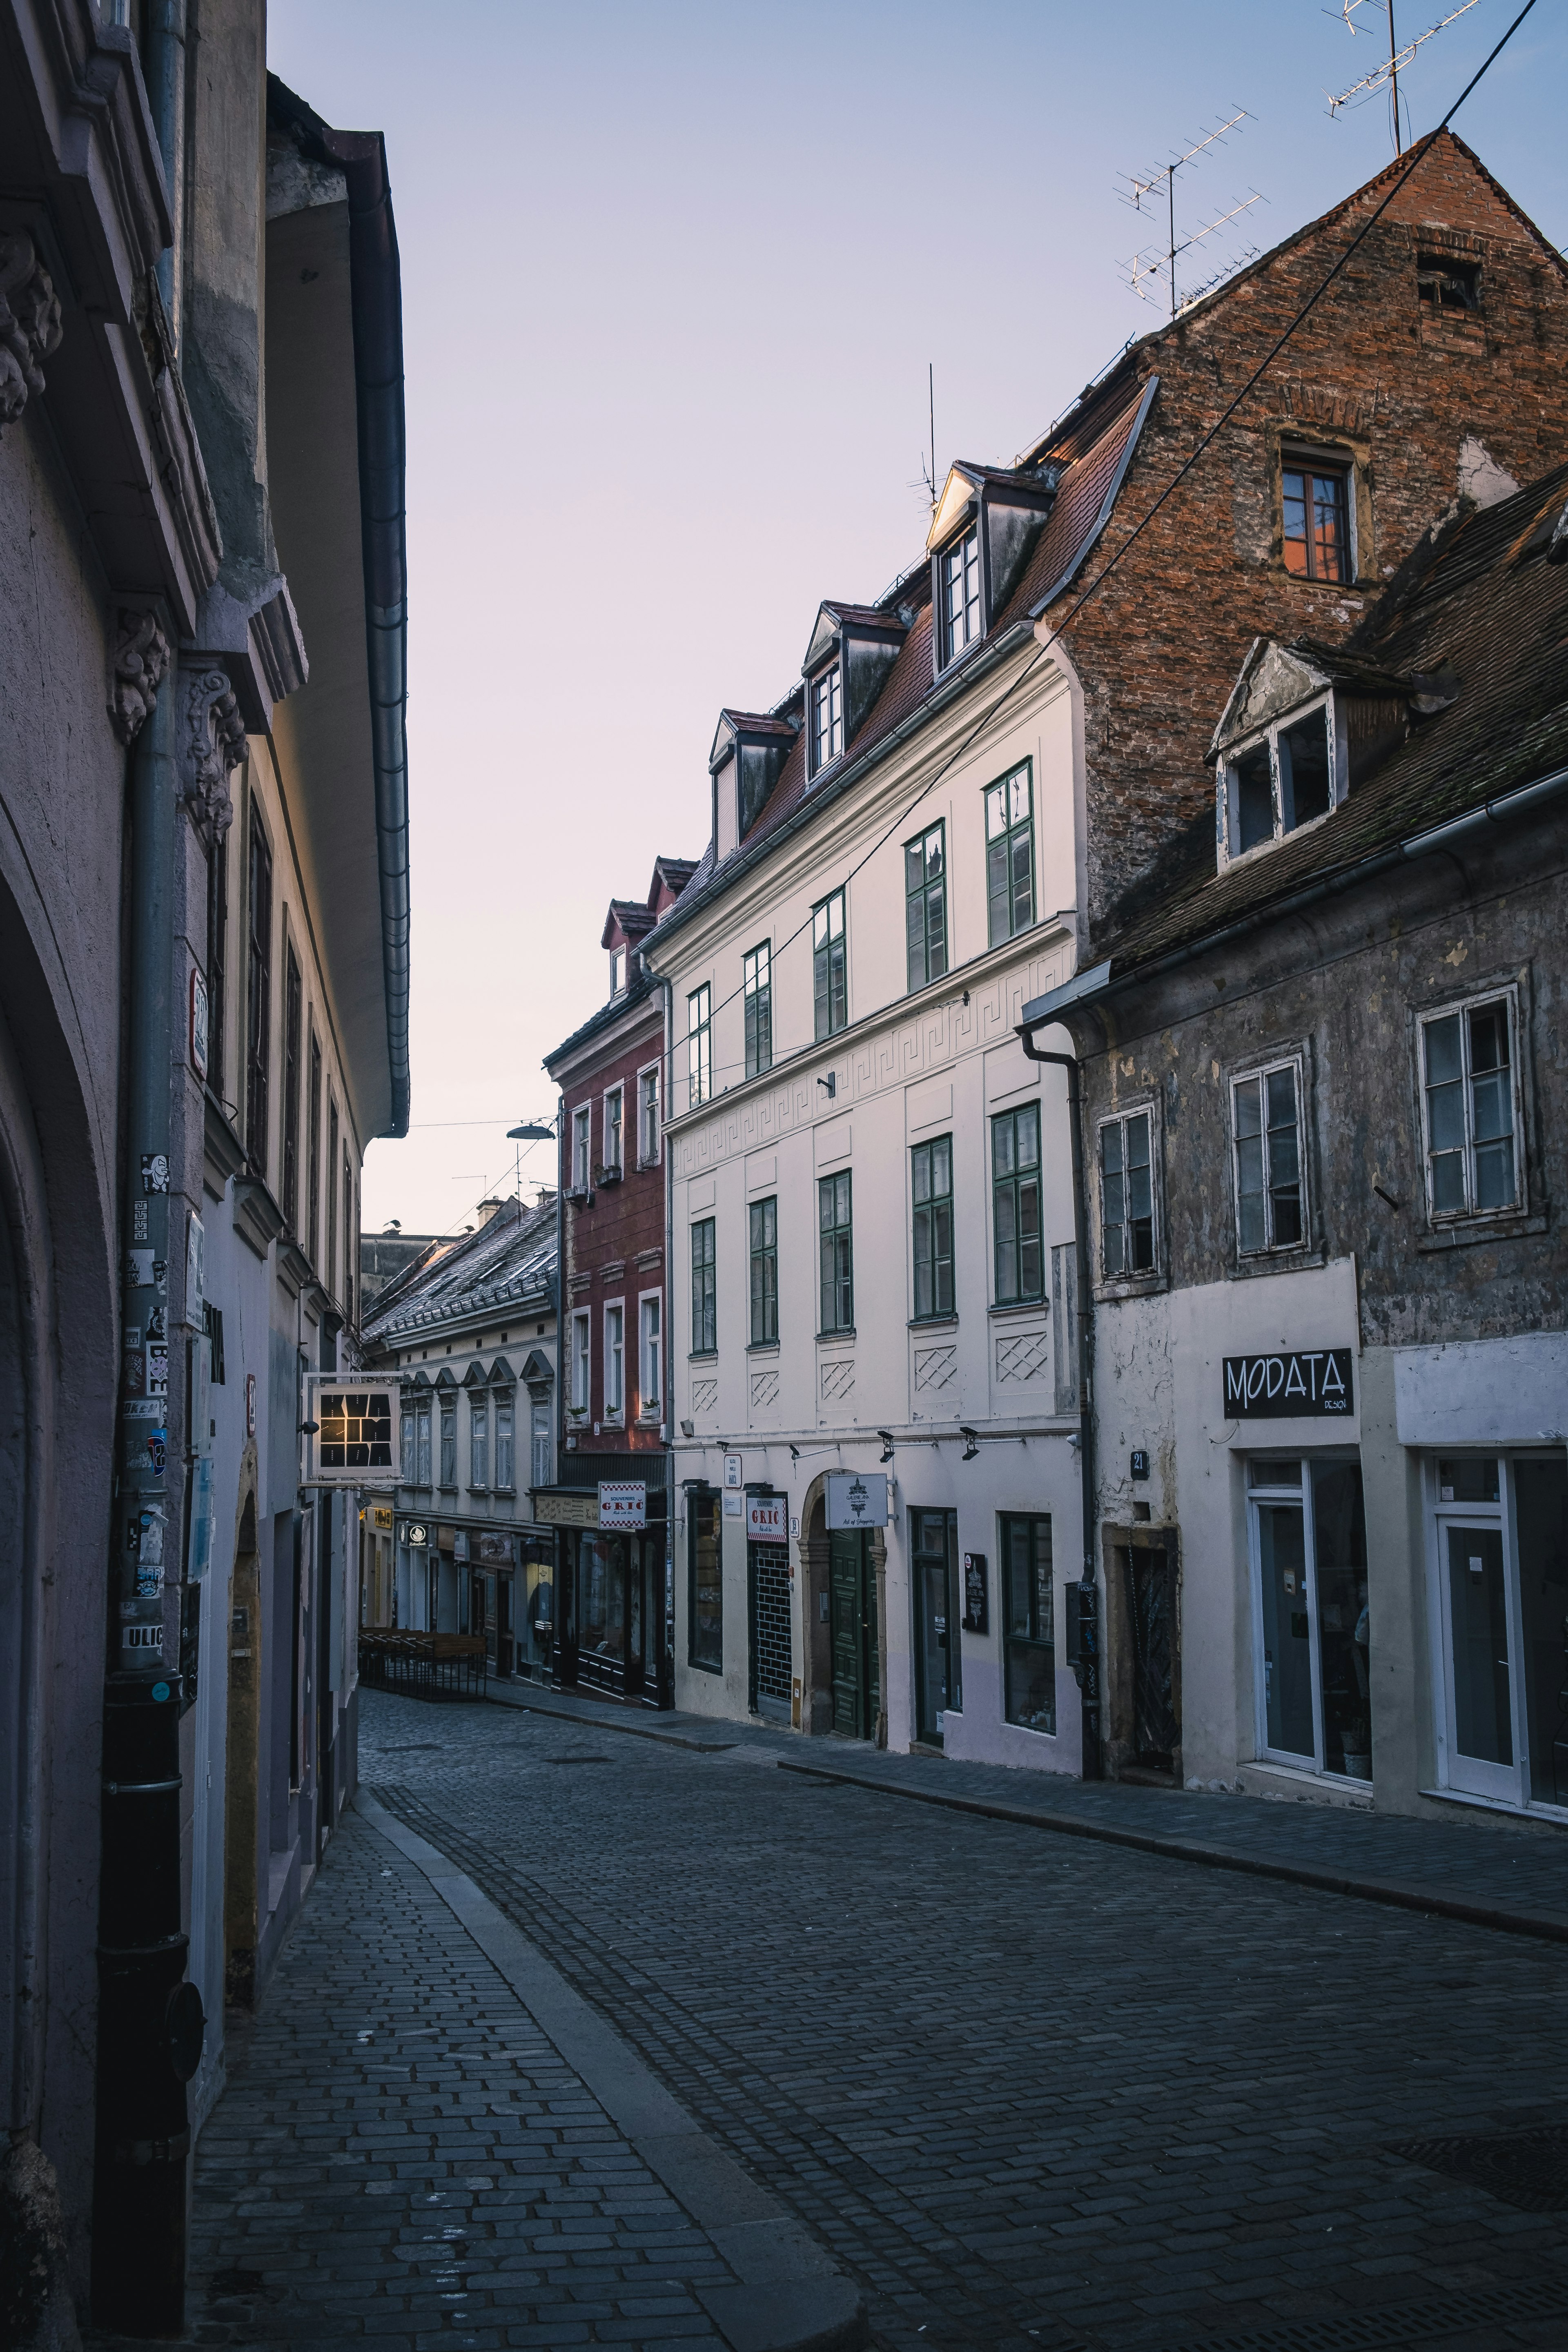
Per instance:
(732,1470)
(623,1502)
(765,1518)
(355,1440)
(856,1498)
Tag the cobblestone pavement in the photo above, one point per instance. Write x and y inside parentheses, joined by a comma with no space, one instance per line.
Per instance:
(1037,2091)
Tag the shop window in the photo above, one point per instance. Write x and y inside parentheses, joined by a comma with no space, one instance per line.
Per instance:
(829,977)
(704,1287)
(1029,1635)
(705,1578)
(1500,1569)
(1267,1144)
(1471,1109)
(1316,503)
(925,906)
(1311,1642)
(835,1235)
(764,1219)
(1016,1206)
(1127,1196)
(699,1045)
(757,995)
(931,1189)
(1010,855)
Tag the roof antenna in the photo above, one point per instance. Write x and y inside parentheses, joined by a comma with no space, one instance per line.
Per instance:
(1142,192)
(1385,76)
(928,472)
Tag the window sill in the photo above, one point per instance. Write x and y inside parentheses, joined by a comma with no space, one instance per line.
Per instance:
(701,1666)
(703,1356)
(934,1322)
(1466,1229)
(447,1486)
(1141,1286)
(763,1347)
(1017,1307)
(472,1489)
(507,1491)
(831,1339)
(1285,1261)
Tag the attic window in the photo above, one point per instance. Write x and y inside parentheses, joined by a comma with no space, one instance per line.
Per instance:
(827,719)
(618,971)
(1447,283)
(961,622)
(1276,785)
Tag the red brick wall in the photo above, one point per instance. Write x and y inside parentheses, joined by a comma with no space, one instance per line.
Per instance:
(604,1241)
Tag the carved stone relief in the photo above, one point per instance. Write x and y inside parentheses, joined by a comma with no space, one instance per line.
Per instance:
(30,325)
(141,666)
(211,742)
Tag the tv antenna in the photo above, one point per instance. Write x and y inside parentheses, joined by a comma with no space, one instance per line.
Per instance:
(928,467)
(1143,193)
(1386,74)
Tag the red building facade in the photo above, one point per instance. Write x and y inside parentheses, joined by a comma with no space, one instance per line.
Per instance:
(611,1506)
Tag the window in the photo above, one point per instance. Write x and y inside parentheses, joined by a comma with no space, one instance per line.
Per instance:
(650,1357)
(538,1422)
(830,991)
(1127,1195)
(505,1449)
(580,1363)
(349,1252)
(291,1021)
(764,1239)
(613,1129)
(827,719)
(615,1362)
(1447,283)
(960,575)
(925,905)
(448,1441)
(618,971)
(757,993)
(217,962)
(647,1118)
(582,1149)
(421,1420)
(699,1045)
(1029,1634)
(1010,855)
(258,1017)
(1310,1616)
(704,1298)
(479,1439)
(1016,1205)
(1265,1109)
(832,1218)
(705,1579)
(931,1186)
(406,1440)
(313,1152)
(1316,529)
(1471,1110)
(331,1198)
(1498,1563)
(1278,783)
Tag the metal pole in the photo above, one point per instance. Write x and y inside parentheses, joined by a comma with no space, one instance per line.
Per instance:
(1394,79)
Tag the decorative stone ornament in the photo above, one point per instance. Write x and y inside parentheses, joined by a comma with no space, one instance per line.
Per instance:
(211,742)
(30,325)
(141,666)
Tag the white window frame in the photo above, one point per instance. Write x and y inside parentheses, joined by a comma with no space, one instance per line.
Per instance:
(1463,1007)
(447,1402)
(581,1362)
(1228,811)
(1302,1496)
(1257,1074)
(541,1442)
(649,1091)
(651,1355)
(964,553)
(1148,1108)
(826,718)
(617,972)
(613,1127)
(479,1441)
(581,1147)
(505,1400)
(699,1045)
(615,1405)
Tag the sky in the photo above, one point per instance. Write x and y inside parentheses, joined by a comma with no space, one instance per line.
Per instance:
(673,277)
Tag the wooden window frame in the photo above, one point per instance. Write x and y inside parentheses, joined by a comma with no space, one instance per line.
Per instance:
(835,1254)
(763,1254)
(928,1255)
(1009,1186)
(920,893)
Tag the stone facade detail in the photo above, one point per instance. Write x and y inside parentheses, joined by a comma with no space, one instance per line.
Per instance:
(935,1369)
(141,666)
(30,325)
(211,742)
(1026,1357)
(839,1378)
(764,1389)
(704,1395)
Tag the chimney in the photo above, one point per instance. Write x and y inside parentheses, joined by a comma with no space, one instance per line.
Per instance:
(487,1210)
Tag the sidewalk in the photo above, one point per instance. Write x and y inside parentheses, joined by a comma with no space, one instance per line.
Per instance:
(1512,1880)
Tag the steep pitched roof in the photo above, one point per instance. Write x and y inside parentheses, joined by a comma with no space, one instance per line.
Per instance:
(507,1263)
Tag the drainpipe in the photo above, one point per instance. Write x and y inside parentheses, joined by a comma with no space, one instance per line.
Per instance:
(150,2022)
(166,92)
(1087,1665)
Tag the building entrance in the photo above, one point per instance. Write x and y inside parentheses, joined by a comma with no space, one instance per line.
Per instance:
(619,1614)
(1309,1536)
(767,1581)
(852,1619)
(1502,1561)
(934,1562)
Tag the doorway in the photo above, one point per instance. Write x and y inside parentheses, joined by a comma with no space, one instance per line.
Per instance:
(1310,1619)
(772,1654)
(1149,1574)
(1500,1526)
(852,1621)
(241,1792)
(933,1573)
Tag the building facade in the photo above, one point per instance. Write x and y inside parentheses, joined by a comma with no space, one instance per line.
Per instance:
(1331,1360)
(611,1500)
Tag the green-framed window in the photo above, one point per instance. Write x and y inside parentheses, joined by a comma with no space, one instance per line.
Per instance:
(699,1045)
(925,905)
(1010,853)
(764,1239)
(704,1294)
(1028,1605)
(834,1218)
(1016,1206)
(829,979)
(931,1192)
(757,996)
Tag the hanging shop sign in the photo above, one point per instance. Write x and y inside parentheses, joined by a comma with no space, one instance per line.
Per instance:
(566,1510)
(414,1532)
(1292,1385)
(495,1551)
(380,1516)
(976,1596)
(767,1519)
(623,1502)
(356,1437)
(857,1500)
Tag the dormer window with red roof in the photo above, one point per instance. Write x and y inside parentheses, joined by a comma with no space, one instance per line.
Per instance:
(827,719)
(987,525)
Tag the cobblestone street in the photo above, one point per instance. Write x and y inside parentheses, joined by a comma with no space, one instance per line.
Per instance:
(1022,2089)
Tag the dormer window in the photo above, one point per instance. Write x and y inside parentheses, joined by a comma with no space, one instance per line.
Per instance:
(827,719)
(618,971)
(1283,780)
(961,616)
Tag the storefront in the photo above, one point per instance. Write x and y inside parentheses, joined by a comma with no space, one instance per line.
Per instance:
(611,1631)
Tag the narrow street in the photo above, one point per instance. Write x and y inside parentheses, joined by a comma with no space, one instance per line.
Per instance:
(1022,2089)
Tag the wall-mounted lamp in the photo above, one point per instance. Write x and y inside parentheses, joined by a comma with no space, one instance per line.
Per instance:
(829,1084)
(971,1443)
(794,1453)
(309,1428)
(887,1437)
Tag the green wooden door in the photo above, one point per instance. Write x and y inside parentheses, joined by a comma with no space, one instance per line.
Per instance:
(853,1621)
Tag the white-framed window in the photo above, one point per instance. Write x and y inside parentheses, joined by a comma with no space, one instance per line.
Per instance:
(539,1424)
(1311,1623)
(506,1449)
(699,1044)
(1128,1228)
(647,1116)
(613,1101)
(478,1438)
(450,1439)
(1268,1159)
(650,1354)
(1287,777)
(960,575)
(615,1361)
(1471,1111)
(826,718)
(618,971)
(582,1149)
(582,1362)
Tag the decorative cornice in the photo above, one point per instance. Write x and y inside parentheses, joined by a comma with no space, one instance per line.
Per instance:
(141,666)
(211,741)
(30,325)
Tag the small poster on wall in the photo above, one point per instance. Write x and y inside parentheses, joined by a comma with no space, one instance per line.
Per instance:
(976,1598)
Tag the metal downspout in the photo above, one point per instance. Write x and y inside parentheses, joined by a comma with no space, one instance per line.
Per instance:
(1089,1583)
(166,92)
